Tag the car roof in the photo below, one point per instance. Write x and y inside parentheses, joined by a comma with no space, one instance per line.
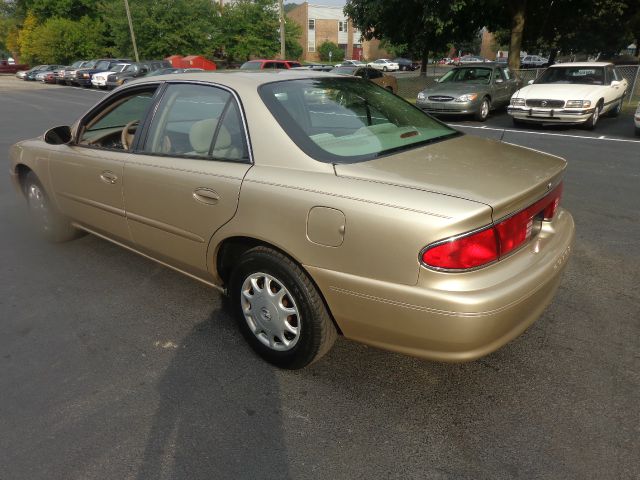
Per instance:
(243,78)
(582,64)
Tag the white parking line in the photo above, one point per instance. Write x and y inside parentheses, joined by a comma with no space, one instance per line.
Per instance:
(602,137)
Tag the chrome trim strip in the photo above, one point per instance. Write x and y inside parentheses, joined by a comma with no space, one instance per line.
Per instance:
(165,226)
(92,203)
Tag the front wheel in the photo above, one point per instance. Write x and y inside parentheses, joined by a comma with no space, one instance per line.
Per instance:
(51,224)
(593,119)
(279,309)
(483,110)
(385,69)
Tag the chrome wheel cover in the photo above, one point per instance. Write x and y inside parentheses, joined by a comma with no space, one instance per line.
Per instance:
(484,109)
(596,115)
(270,312)
(38,206)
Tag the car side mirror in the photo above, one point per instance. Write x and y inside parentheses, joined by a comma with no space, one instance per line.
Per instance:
(530,82)
(615,83)
(437,79)
(58,135)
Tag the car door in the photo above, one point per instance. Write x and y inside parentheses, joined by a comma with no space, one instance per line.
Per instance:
(612,92)
(87,175)
(501,88)
(184,183)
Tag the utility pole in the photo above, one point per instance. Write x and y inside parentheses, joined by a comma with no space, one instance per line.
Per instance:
(133,36)
(282,50)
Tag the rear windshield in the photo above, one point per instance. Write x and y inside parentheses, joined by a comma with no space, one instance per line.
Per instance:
(345,120)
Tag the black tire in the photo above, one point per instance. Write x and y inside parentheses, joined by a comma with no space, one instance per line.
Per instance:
(316,331)
(483,110)
(593,119)
(51,224)
(615,111)
(385,69)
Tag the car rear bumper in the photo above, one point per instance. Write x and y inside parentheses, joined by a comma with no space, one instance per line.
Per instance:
(453,317)
(550,115)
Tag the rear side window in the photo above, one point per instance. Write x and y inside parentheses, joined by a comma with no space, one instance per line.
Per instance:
(197,121)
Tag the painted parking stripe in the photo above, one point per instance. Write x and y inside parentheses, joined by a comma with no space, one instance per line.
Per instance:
(509,130)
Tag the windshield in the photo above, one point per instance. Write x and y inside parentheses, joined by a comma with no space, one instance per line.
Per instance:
(90,64)
(103,65)
(77,64)
(344,120)
(118,68)
(577,75)
(251,66)
(468,75)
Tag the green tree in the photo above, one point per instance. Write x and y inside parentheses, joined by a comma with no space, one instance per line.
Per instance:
(27,38)
(573,26)
(162,27)
(249,29)
(424,25)
(326,47)
(62,40)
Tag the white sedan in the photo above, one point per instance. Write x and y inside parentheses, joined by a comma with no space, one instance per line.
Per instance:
(99,80)
(570,93)
(385,65)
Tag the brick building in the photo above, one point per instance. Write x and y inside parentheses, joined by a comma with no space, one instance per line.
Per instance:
(322,23)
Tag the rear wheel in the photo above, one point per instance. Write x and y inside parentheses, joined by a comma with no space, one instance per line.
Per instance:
(51,224)
(279,309)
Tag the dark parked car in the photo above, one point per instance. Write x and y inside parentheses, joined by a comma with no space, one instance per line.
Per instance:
(406,64)
(136,70)
(83,75)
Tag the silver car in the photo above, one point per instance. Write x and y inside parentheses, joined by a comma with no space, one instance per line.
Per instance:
(470,90)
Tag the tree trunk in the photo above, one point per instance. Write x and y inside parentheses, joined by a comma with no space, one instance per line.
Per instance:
(517,9)
(425,60)
(553,55)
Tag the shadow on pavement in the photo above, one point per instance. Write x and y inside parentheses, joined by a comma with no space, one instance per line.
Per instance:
(213,421)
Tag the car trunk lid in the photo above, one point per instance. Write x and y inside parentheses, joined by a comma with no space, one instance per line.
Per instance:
(505,177)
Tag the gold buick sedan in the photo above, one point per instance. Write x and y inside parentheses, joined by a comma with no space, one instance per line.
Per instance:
(321,204)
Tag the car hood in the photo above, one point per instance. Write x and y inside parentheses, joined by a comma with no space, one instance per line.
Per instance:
(562,91)
(455,88)
(505,177)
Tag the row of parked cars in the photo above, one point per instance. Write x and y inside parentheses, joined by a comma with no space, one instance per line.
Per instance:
(105,73)
(566,93)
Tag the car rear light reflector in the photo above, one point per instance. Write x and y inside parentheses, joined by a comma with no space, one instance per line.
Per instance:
(493,242)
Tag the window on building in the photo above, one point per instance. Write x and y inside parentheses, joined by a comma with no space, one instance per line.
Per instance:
(312,24)
(311,47)
(342,26)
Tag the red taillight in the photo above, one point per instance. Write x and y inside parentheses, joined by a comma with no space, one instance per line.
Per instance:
(496,241)
(465,252)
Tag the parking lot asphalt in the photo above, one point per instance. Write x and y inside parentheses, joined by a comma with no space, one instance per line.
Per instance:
(114,367)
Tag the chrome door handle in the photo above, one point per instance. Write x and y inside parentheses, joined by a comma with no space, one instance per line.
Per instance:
(108,177)
(206,195)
